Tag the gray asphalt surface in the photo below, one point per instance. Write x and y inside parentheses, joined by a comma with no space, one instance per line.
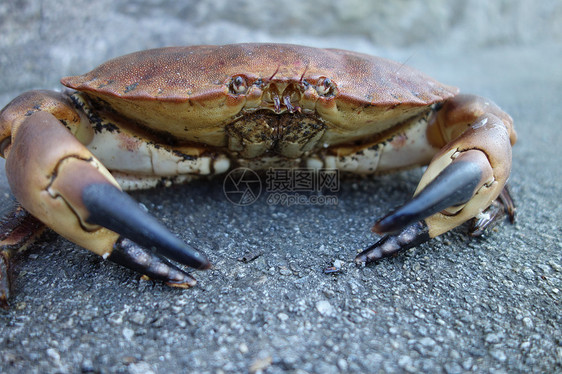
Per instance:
(453,305)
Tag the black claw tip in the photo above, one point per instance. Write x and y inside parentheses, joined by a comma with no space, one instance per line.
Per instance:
(134,257)
(115,210)
(455,185)
(389,245)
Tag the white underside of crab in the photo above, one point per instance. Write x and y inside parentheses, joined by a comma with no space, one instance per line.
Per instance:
(139,163)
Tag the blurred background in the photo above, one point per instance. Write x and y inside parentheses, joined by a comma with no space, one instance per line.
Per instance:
(42,41)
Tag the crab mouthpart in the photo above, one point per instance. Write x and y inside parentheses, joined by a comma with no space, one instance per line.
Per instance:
(282,97)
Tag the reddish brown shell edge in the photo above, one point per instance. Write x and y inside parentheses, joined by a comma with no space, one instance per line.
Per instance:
(199,73)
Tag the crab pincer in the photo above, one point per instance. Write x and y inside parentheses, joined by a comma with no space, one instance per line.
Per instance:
(59,181)
(466,177)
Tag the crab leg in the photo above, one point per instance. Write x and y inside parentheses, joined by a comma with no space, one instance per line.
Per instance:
(18,229)
(461,181)
(69,190)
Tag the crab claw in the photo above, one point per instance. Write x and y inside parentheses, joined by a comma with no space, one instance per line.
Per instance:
(460,183)
(455,185)
(61,183)
(113,209)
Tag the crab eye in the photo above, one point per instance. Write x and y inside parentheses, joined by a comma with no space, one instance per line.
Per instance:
(325,87)
(238,85)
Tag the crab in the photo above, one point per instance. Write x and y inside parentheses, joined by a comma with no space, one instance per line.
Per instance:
(169,115)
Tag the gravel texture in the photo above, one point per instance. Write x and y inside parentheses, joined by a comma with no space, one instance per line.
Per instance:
(453,305)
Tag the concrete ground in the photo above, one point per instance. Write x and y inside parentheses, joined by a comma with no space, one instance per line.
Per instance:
(452,305)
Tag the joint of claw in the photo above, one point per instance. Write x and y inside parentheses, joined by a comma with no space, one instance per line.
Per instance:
(69,178)
(480,158)
(487,178)
(57,171)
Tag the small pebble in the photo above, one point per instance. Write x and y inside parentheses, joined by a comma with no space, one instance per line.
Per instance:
(427,342)
(493,338)
(325,308)
(140,368)
(243,348)
(137,318)
(128,333)
(498,355)
(53,355)
(87,366)
(342,364)
(282,317)
(115,318)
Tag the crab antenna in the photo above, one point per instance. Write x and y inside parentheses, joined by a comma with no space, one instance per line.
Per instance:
(113,209)
(455,185)
(274,73)
(303,73)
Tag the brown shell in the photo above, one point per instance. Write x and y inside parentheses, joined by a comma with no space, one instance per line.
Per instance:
(144,85)
(199,72)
